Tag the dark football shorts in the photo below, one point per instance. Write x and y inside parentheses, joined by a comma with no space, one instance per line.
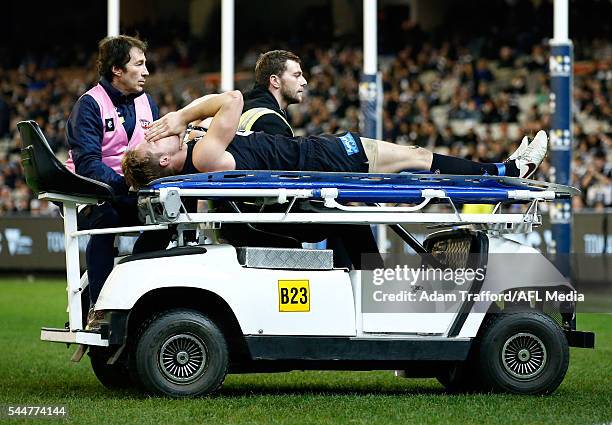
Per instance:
(334,153)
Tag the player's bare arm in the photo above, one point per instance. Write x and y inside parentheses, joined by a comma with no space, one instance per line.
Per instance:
(175,123)
(209,153)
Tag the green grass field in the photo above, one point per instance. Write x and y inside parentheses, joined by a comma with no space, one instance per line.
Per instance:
(37,373)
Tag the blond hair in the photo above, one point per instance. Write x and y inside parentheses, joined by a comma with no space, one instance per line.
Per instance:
(140,169)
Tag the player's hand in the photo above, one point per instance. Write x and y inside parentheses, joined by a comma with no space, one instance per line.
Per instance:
(169,125)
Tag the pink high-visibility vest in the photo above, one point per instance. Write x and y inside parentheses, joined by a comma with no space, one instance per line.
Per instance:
(115,140)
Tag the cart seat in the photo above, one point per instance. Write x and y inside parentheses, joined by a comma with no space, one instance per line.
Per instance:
(45,173)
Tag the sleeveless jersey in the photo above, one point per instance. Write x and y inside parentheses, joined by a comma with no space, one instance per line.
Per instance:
(259,151)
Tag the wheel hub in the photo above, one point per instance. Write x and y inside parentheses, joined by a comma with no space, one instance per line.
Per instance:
(182,358)
(524,356)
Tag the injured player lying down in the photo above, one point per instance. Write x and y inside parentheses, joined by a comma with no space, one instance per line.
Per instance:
(222,149)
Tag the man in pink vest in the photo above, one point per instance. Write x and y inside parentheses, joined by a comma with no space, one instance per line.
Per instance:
(104,122)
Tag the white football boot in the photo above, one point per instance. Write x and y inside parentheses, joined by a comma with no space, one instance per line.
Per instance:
(532,156)
(519,151)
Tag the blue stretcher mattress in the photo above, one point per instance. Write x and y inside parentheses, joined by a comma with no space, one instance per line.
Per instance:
(364,187)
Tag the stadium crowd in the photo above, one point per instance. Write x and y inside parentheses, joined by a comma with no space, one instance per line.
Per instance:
(447,96)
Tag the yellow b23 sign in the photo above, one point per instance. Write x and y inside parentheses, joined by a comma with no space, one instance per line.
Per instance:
(293,295)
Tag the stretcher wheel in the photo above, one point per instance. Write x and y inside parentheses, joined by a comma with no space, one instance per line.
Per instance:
(522,353)
(181,353)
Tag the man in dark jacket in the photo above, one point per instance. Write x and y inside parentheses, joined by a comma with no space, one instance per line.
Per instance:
(280,82)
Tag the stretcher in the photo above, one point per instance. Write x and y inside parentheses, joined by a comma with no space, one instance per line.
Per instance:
(351,198)
(176,321)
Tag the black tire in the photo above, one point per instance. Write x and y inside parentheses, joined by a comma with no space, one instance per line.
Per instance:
(522,353)
(112,376)
(181,353)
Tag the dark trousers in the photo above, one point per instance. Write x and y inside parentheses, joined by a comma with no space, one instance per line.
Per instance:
(355,245)
(100,252)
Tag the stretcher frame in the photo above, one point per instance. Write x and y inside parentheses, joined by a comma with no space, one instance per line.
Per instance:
(323,200)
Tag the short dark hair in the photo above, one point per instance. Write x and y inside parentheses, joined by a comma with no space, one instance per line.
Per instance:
(272,63)
(115,51)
